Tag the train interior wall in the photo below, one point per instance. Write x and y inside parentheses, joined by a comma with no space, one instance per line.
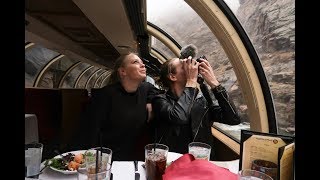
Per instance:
(223,152)
(58,111)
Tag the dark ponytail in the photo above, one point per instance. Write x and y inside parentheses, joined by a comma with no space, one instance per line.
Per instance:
(165,69)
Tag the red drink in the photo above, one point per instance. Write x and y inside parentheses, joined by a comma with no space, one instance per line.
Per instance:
(155,165)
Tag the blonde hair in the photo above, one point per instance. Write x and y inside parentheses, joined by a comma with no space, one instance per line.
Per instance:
(114,76)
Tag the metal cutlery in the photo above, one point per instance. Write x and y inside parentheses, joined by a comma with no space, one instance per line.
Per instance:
(136,174)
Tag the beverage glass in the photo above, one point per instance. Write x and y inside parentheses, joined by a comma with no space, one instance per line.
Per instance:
(33,156)
(155,160)
(249,174)
(266,167)
(200,150)
(82,174)
(97,159)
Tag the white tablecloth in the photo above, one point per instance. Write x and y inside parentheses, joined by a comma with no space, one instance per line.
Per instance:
(31,128)
(124,170)
(121,170)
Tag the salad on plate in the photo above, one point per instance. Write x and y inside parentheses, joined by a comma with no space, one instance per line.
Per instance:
(68,163)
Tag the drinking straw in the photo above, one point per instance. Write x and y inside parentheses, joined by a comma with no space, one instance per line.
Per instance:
(155,141)
(100,139)
(101,152)
(100,143)
(100,158)
(97,153)
(97,164)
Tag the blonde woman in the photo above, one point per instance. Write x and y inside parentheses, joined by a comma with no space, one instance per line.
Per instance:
(118,113)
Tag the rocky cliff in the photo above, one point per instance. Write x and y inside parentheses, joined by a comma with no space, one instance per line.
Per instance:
(270,24)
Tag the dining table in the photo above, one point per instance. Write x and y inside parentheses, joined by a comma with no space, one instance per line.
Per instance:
(125,170)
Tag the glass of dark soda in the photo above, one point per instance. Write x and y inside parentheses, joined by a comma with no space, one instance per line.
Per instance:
(155,160)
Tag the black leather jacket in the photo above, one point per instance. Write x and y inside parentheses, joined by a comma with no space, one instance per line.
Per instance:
(181,120)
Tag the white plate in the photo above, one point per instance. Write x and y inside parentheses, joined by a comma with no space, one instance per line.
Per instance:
(67,171)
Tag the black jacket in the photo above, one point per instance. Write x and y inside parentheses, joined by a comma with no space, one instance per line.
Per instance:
(179,121)
(117,119)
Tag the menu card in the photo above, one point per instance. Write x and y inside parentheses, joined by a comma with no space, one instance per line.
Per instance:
(278,149)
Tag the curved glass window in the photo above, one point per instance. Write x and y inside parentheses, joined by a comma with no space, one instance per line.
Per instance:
(271,27)
(54,73)
(188,28)
(94,77)
(36,58)
(85,76)
(105,80)
(70,80)
(158,45)
(152,81)
(101,78)
(233,5)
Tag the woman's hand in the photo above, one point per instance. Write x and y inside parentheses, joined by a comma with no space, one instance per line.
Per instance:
(207,73)
(190,67)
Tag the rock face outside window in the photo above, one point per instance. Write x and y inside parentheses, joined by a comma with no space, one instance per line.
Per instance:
(270,24)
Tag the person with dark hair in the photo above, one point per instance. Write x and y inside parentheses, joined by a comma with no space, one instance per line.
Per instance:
(117,114)
(182,114)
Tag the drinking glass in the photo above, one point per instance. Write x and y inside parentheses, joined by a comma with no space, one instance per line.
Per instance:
(33,156)
(249,174)
(155,160)
(83,174)
(266,167)
(200,150)
(97,159)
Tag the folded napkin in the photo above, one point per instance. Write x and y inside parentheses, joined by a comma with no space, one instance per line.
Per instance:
(188,168)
